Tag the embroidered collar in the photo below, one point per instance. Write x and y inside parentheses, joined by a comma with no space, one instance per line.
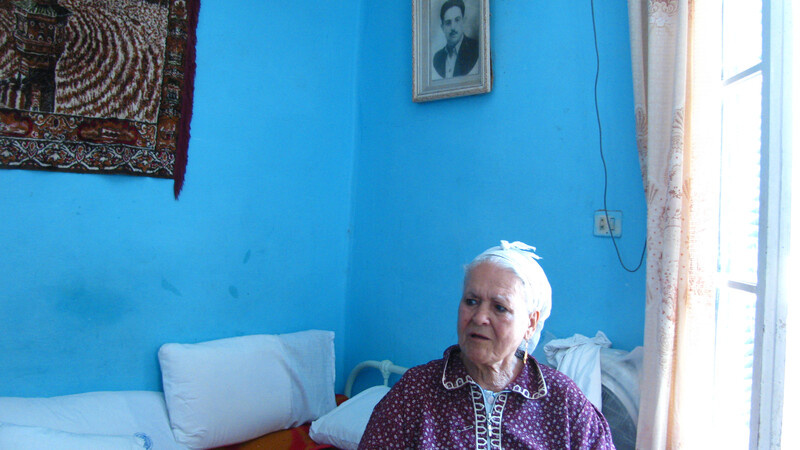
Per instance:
(529,383)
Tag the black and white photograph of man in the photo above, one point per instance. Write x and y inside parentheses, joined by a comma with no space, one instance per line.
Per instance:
(459,54)
(451,49)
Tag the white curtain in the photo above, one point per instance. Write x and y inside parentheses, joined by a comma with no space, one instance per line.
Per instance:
(676,90)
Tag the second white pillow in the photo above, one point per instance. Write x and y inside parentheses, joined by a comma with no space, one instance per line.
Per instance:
(344,426)
(230,390)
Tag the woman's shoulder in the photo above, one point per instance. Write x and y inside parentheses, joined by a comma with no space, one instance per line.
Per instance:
(429,373)
(558,384)
(554,376)
(431,369)
(551,373)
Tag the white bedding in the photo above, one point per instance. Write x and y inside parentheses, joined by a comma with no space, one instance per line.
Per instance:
(215,393)
(121,413)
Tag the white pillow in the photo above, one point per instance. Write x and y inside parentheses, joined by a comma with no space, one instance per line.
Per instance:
(115,413)
(231,390)
(20,437)
(344,426)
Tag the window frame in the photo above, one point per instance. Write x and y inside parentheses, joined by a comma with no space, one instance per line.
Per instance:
(774,225)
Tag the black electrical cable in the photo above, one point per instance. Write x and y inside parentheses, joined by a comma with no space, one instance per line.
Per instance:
(602,157)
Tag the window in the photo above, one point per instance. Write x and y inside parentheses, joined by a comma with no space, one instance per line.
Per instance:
(754,252)
(790,436)
(740,174)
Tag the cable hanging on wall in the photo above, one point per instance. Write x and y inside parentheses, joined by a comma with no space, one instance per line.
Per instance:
(602,156)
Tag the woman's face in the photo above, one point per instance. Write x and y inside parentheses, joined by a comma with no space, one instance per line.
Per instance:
(492,316)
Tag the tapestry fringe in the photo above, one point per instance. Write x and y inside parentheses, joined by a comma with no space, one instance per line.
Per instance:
(187,97)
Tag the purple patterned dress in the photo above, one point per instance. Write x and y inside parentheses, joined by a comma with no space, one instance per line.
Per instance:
(438,405)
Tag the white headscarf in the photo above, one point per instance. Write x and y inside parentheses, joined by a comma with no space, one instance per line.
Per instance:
(521,259)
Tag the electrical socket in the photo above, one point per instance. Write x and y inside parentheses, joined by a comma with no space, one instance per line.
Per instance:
(605,228)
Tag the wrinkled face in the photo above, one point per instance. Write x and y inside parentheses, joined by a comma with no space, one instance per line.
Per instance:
(492,316)
(453,25)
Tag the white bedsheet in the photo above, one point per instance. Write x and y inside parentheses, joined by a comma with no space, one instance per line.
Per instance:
(108,413)
(578,357)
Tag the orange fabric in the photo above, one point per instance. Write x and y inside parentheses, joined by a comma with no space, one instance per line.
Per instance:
(296,438)
(292,439)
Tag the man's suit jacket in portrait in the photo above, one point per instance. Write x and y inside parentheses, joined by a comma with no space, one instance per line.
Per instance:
(465,61)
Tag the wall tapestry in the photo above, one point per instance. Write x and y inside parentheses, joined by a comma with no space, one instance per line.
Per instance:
(97,86)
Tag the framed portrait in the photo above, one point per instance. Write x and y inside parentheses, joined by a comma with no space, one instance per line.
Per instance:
(451,52)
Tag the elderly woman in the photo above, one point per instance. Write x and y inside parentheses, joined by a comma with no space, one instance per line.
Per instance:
(486,392)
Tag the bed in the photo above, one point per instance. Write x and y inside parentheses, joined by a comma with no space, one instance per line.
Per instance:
(243,393)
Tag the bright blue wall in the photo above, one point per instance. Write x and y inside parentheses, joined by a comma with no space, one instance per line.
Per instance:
(97,271)
(438,183)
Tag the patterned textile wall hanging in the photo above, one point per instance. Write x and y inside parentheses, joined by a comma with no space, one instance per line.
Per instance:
(97,86)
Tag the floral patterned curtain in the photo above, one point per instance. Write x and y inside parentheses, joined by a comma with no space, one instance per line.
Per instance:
(677,118)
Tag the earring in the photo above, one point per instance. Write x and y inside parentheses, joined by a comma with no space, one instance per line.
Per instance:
(525,358)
